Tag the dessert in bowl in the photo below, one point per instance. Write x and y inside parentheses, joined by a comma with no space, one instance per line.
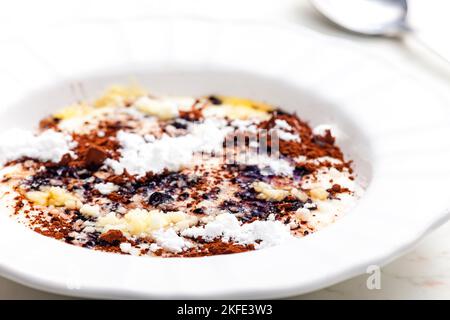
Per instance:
(137,174)
(375,111)
(167,176)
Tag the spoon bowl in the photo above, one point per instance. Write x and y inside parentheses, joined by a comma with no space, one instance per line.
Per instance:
(386,18)
(368,17)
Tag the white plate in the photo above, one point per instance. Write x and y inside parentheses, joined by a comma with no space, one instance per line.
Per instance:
(394,127)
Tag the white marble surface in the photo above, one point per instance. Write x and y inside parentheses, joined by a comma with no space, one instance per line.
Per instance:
(424,273)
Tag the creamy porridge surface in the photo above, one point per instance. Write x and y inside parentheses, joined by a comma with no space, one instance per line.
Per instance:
(139,174)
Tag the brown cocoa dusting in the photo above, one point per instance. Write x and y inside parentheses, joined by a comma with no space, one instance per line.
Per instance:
(92,150)
(113,249)
(337,188)
(113,237)
(194,186)
(216,248)
(57,227)
(95,156)
(194,114)
(49,123)
(119,198)
(312,146)
(122,179)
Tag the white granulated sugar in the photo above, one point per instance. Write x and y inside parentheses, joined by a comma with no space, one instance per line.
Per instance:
(282,129)
(210,135)
(246,125)
(154,247)
(227,227)
(74,124)
(170,240)
(139,156)
(321,129)
(287,136)
(282,124)
(125,247)
(47,146)
(309,205)
(164,107)
(106,188)
(270,233)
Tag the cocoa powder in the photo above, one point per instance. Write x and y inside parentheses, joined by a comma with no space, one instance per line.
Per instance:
(112,237)
(215,248)
(312,146)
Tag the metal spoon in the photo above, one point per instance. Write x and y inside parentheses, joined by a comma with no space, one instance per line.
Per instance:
(386,18)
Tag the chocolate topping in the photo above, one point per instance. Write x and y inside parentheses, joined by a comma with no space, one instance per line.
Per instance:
(95,156)
(194,191)
(112,237)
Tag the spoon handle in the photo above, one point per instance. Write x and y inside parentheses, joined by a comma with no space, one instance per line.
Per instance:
(431,46)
